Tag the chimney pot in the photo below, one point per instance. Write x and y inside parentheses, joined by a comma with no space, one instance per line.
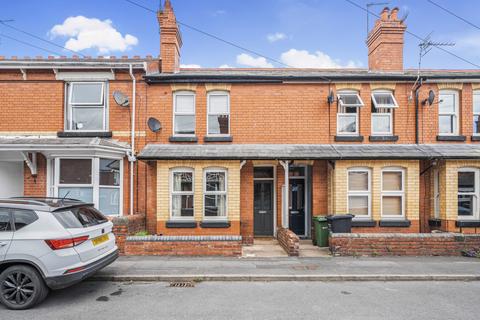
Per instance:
(384,14)
(394,14)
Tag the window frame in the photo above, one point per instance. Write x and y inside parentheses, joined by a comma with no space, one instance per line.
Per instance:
(380,106)
(456,114)
(218,93)
(363,193)
(476,194)
(341,105)
(388,112)
(95,183)
(205,193)
(180,193)
(193,113)
(10,220)
(69,106)
(475,97)
(395,193)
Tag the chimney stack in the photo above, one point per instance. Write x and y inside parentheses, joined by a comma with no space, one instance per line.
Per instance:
(385,42)
(170,39)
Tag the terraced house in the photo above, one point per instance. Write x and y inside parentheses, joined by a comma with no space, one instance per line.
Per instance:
(245,153)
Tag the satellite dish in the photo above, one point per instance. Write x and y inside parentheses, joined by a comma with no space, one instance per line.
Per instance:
(431,97)
(154,125)
(121,99)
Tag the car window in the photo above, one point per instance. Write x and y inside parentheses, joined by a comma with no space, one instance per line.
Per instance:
(23,218)
(5,223)
(80,217)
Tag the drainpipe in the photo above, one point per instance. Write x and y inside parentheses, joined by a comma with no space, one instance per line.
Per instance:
(286,170)
(417,106)
(131,156)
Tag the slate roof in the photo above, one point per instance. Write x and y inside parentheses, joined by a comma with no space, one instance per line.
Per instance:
(308,151)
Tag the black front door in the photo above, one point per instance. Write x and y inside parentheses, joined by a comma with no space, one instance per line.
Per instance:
(263,208)
(297,206)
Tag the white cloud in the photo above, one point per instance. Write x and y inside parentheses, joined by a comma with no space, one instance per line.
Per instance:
(249,61)
(91,33)
(274,37)
(190,66)
(304,59)
(225,66)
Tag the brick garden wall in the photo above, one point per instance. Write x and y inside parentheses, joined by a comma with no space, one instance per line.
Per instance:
(126,226)
(289,241)
(420,244)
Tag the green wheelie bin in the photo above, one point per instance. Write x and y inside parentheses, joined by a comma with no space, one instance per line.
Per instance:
(321,231)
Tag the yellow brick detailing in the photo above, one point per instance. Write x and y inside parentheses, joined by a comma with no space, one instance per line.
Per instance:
(183,87)
(338,182)
(348,86)
(163,186)
(383,85)
(449,186)
(128,133)
(264,163)
(475,86)
(303,162)
(450,86)
(218,87)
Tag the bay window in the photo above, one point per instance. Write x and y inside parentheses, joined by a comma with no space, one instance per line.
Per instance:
(91,180)
(476,112)
(218,119)
(86,106)
(184,113)
(448,107)
(359,192)
(182,194)
(468,194)
(393,193)
(349,103)
(215,194)
(382,112)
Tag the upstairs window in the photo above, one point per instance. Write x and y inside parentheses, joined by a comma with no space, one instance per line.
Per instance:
(184,113)
(86,106)
(448,107)
(347,113)
(476,112)
(218,113)
(382,112)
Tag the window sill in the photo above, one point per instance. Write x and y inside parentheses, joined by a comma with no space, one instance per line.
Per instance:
(467,223)
(181,224)
(475,138)
(218,139)
(451,138)
(85,134)
(364,223)
(395,223)
(183,139)
(215,224)
(383,138)
(348,138)
(434,223)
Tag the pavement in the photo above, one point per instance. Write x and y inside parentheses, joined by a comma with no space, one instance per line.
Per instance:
(149,268)
(259,300)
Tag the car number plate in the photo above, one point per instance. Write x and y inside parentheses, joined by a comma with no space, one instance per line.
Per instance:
(99,240)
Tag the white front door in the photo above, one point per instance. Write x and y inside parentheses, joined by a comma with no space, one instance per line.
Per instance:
(11,179)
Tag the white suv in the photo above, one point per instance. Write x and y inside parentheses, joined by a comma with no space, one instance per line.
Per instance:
(49,243)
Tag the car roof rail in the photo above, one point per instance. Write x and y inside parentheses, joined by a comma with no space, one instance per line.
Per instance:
(19,199)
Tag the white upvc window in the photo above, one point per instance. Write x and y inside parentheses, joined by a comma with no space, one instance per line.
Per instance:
(436,193)
(448,110)
(349,103)
(218,118)
(184,113)
(393,193)
(468,194)
(92,180)
(476,112)
(215,189)
(382,112)
(86,106)
(359,193)
(182,189)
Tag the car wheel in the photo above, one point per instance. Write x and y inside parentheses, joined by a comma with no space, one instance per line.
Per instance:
(21,287)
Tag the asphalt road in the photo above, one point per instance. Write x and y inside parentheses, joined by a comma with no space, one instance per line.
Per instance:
(258,300)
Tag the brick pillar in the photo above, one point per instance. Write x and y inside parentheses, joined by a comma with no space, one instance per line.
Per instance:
(151,190)
(246,203)
(36,186)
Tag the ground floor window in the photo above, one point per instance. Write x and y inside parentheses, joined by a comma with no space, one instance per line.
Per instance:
(93,180)
(215,194)
(359,192)
(393,193)
(468,194)
(182,194)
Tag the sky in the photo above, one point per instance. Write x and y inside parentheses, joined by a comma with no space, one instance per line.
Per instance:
(298,33)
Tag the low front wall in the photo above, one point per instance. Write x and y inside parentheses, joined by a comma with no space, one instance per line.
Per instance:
(229,246)
(289,241)
(126,226)
(397,244)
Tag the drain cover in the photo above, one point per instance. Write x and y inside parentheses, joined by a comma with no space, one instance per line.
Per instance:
(177,284)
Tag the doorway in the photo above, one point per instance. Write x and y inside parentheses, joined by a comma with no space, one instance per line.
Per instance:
(263,202)
(300,200)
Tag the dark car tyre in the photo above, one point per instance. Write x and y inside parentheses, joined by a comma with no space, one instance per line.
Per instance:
(21,287)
